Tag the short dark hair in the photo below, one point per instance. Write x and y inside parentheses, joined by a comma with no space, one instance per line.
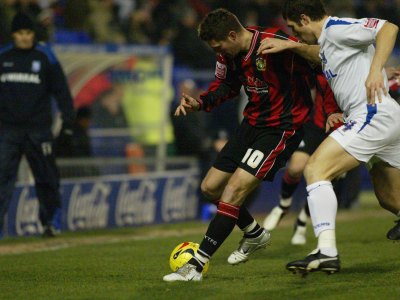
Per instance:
(293,9)
(217,24)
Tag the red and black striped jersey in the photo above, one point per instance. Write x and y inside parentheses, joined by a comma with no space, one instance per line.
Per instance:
(277,85)
(324,102)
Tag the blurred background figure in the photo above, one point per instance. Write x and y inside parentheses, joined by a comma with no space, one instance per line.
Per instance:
(78,144)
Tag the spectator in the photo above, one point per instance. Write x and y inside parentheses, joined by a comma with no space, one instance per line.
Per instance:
(103,23)
(188,49)
(76,13)
(7,11)
(107,110)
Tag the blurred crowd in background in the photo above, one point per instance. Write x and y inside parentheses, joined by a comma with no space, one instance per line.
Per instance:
(161,22)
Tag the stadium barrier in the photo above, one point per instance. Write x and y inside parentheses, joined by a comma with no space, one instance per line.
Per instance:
(111,201)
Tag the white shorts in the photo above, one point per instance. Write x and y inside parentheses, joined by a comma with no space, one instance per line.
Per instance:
(374,134)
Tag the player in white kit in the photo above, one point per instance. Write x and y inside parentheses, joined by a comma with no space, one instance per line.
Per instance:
(354,68)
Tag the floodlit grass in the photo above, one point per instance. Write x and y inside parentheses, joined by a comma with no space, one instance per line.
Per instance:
(130,263)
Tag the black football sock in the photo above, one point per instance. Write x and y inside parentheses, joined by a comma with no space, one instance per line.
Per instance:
(303,215)
(245,218)
(288,186)
(307,209)
(219,229)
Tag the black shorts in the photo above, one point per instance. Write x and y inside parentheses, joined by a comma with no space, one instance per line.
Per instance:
(259,151)
(313,137)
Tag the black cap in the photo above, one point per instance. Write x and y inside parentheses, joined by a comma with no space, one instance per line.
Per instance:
(22,21)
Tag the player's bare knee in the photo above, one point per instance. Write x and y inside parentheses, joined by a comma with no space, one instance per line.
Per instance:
(295,171)
(311,172)
(209,191)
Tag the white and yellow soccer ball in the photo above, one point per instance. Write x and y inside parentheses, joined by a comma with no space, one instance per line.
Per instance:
(182,254)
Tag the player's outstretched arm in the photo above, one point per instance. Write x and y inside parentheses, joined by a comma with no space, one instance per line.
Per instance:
(188,104)
(273,45)
(385,40)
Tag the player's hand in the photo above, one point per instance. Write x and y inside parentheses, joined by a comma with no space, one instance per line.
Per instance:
(272,45)
(188,104)
(375,86)
(333,121)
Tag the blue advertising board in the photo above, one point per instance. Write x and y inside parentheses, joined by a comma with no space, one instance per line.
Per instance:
(114,201)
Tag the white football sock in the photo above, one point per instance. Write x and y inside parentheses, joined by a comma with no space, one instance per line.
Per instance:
(285,202)
(323,207)
(327,242)
(202,259)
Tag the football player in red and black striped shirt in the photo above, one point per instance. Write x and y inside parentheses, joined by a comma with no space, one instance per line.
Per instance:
(279,102)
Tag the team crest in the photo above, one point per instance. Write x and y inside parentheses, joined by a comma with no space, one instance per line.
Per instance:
(36,66)
(349,125)
(261,64)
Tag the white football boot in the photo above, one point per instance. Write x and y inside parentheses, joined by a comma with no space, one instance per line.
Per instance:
(247,246)
(272,220)
(187,272)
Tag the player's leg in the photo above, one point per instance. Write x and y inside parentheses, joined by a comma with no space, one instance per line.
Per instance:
(254,236)
(40,156)
(10,157)
(328,161)
(277,147)
(238,187)
(212,187)
(290,181)
(386,181)
(299,236)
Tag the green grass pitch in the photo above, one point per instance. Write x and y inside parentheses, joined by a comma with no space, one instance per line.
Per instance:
(129,263)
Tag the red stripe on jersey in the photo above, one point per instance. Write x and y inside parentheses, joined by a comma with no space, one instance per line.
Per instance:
(228,210)
(253,45)
(269,161)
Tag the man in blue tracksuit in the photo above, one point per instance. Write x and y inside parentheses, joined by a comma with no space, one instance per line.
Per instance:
(30,77)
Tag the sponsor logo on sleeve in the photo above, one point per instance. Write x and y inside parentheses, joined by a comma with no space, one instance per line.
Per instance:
(371,23)
(220,70)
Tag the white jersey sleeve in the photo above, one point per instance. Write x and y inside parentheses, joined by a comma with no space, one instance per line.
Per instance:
(356,32)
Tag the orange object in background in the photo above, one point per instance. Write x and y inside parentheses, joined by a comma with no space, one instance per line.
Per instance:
(134,150)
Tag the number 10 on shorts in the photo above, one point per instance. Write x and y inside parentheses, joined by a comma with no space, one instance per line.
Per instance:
(253,158)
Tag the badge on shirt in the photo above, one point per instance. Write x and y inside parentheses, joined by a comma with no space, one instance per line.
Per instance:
(220,70)
(36,66)
(371,23)
(261,64)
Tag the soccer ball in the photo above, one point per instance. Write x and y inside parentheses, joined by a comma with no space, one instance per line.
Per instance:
(182,254)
